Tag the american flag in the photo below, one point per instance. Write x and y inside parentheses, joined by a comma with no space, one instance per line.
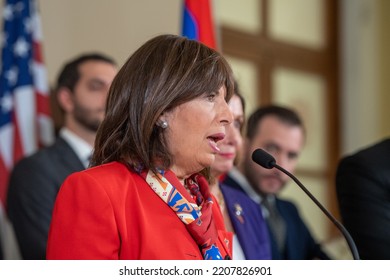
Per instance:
(25,123)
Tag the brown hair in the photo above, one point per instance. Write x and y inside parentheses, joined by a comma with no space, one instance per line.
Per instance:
(162,74)
(238,93)
(70,73)
(284,114)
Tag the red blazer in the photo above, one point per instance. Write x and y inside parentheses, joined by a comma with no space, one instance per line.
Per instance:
(110,212)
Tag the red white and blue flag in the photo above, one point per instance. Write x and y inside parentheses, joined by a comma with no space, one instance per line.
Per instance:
(198,22)
(25,123)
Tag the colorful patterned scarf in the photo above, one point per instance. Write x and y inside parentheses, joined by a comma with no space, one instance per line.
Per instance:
(197,217)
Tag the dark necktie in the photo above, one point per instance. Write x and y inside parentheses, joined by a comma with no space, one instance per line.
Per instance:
(276,223)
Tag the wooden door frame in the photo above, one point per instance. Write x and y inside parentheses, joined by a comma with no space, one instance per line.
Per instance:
(267,53)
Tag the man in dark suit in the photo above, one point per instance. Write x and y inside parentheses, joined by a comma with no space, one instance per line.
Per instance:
(279,131)
(363,192)
(81,91)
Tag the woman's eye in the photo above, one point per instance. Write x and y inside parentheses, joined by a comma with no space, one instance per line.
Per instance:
(237,124)
(211,96)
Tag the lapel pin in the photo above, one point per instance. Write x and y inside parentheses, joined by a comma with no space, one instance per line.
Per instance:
(238,212)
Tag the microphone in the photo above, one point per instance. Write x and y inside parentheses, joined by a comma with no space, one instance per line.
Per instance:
(267,161)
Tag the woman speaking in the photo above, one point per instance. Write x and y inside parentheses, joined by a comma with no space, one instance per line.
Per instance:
(146,195)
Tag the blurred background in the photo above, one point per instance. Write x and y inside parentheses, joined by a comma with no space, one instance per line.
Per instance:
(325,58)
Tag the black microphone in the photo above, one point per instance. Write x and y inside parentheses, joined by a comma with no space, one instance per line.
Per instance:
(267,161)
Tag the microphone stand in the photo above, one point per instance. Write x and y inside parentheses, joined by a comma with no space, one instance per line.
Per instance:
(346,234)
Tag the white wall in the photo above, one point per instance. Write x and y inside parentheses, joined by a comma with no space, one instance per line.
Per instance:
(364,112)
(116,27)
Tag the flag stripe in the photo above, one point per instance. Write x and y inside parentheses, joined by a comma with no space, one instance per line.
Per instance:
(37,52)
(17,143)
(25,110)
(43,107)
(6,145)
(4,171)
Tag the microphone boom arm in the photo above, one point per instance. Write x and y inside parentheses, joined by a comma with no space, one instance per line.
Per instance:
(346,234)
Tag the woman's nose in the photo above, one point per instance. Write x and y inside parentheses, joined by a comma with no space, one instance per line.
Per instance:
(226,114)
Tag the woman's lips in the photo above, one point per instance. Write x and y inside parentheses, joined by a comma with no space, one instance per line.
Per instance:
(213,139)
(227,155)
(213,145)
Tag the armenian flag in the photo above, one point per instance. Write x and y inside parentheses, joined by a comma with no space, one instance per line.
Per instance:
(198,22)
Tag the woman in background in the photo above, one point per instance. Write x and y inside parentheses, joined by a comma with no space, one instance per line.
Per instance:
(242,216)
(145,197)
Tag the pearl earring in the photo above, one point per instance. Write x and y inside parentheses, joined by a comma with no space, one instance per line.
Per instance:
(164,124)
